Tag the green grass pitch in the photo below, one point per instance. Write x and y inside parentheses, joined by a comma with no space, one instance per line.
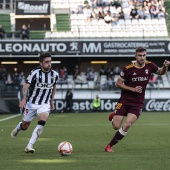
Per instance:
(145,147)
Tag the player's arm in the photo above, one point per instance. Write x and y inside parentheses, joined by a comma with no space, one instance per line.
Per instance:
(164,68)
(24,95)
(121,85)
(52,97)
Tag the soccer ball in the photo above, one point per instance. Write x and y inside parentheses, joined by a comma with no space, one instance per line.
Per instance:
(65,148)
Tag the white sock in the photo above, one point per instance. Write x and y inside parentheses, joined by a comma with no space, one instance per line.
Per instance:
(122,132)
(19,126)
(36,133)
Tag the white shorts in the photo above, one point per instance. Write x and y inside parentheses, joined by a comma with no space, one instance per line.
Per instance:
(33,110)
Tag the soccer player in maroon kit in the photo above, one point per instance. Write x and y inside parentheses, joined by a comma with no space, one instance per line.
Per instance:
(133,80)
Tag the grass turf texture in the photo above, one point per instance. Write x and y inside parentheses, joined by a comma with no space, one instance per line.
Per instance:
(146,146)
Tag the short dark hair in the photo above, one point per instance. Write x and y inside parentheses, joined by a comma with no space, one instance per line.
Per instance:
(44,55)
(140,49)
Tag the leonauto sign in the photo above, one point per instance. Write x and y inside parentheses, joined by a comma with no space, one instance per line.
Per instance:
(84,48)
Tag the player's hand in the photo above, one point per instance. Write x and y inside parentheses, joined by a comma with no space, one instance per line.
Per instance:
(52,105)
(22,103)
(138,89)
(166,63)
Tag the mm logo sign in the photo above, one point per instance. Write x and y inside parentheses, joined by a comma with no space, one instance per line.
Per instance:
(92,48)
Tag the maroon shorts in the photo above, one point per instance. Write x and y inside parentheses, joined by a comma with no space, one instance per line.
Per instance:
(123,110)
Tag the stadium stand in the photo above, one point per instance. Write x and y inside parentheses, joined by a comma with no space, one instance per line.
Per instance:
(62,22)
(72,24)
(5,21)
(123,28)
(167,5)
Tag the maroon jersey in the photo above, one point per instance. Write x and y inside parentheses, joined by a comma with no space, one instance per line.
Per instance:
(133,77)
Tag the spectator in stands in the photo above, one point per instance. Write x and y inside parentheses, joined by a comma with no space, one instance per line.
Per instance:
(134,13)
(98,12)
(108,70)
(21,79)
(87,13)
(25,32)
(79,9)
(99,3)
(76,72)
(90,67)
(161,14)
(93,3)
(116,3)
(96,103)
(105,2)
(111,73)
(109,84)
(109,19)
(138,5)
(2,32)
(147,12)
(9,79)
(63,74)
(154,11)
(86,3)
(116,70)
(97,82)
(15,77)
(152,80)
(90,75)
(141,13)
(69,101)
(121,14)
(3,72)
(102,70)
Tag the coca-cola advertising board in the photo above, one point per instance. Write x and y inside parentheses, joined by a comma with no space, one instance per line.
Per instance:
(150,105)
(160,105)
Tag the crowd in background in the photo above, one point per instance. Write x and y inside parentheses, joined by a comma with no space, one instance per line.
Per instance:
(113,10)
(15,79)
(104,78)
(24,33)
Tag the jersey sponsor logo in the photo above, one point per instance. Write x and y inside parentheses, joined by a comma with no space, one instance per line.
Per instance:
(140,79)
(122,73)
(44,85)
(146,71)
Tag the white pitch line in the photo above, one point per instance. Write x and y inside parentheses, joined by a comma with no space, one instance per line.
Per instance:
(7,118)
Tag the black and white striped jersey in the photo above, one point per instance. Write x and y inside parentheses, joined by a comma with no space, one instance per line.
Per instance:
(41,85)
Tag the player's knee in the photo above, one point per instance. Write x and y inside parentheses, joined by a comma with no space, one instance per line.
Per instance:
(24,126)
(116,126)
(127,125)
(42,122)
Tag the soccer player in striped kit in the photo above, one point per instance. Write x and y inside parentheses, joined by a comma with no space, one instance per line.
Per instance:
(133,80)
(41,85)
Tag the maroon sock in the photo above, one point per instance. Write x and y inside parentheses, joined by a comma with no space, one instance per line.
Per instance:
(118,136)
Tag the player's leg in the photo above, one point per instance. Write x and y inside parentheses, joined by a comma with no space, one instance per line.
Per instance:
(28,115)
(132,116)
(21,126)
(120,134)
(116,122)
(111,116)
(43,113)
